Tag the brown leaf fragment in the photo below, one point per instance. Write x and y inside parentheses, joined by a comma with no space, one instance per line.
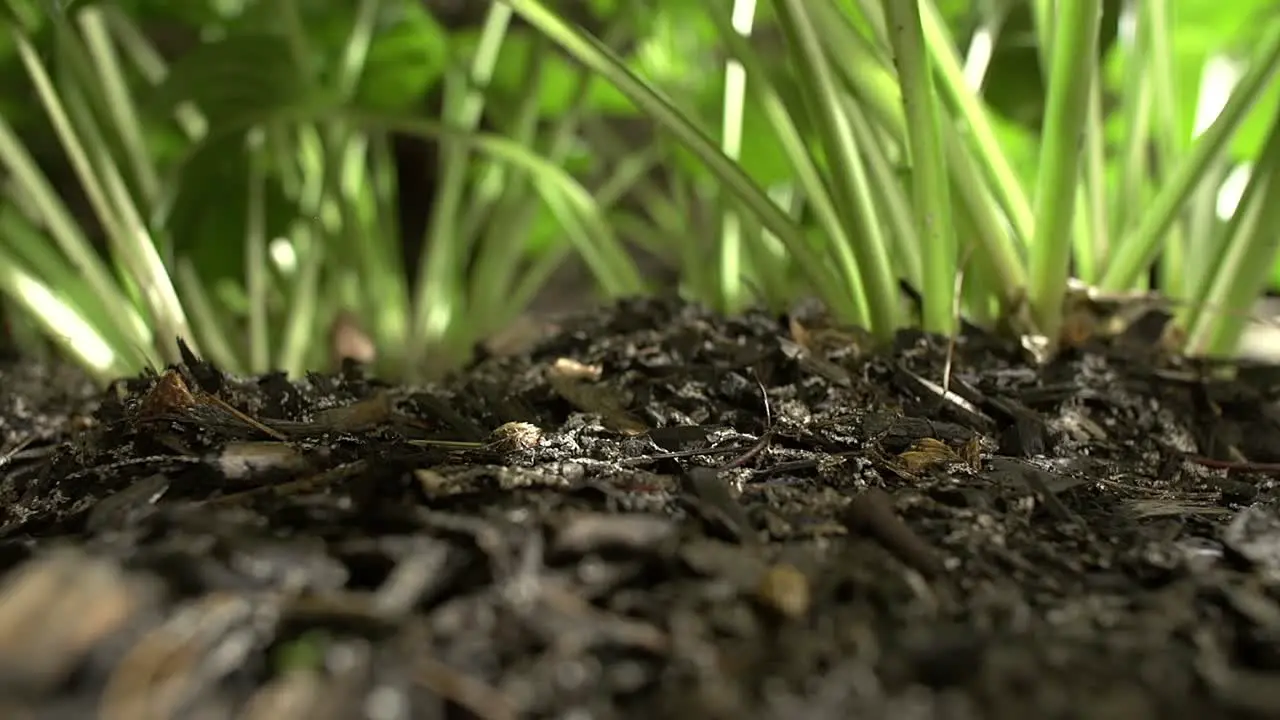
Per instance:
(578,385)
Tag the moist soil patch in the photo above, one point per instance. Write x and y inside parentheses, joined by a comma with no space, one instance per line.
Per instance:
(655,512)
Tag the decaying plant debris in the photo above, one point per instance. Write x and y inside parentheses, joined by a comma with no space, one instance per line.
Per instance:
(655,513)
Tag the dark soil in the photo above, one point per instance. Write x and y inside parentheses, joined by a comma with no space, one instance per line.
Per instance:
(661,514)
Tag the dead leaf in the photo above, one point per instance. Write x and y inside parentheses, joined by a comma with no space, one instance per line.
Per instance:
(349,341)
(578,385)
(927,454)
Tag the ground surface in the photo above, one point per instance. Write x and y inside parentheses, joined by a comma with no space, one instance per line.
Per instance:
(701,519)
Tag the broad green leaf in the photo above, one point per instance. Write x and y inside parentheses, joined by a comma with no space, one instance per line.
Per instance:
(559,83)
(603,8)
(404,61)
(241,78)
(677,49)
(209,213)
(181,14)
(762,156)
(1201,31)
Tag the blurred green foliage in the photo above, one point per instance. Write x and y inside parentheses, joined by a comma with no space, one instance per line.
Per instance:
(674,44)
(260,63)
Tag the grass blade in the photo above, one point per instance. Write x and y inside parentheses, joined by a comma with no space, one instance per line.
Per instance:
(1075,47)
(929,178)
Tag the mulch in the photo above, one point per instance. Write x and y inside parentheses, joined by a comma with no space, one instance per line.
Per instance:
(654,512)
